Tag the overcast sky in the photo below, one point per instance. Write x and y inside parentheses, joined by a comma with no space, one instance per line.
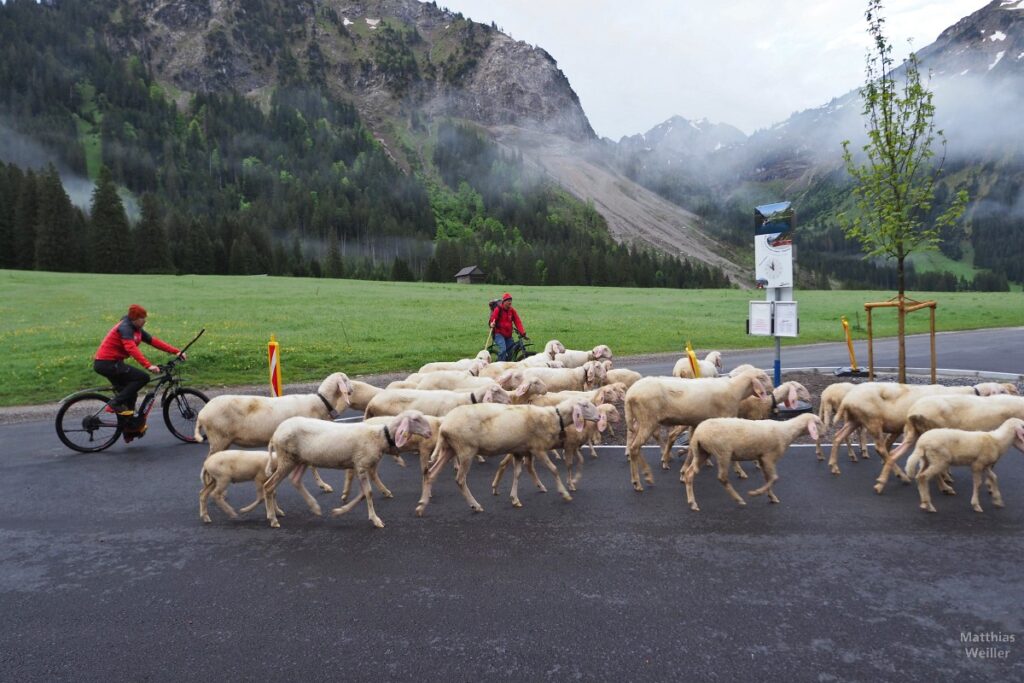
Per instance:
(749,63)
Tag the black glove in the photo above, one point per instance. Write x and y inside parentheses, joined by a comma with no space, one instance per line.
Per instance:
(527,338)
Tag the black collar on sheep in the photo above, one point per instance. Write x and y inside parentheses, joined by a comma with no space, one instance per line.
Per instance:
(775,404)
(561,424)
(330,409)
(387,435)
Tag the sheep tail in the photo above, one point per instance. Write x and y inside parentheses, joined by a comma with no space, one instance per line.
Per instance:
(825,413)
(913,462)
(269,469)
(205,477)
(199,434)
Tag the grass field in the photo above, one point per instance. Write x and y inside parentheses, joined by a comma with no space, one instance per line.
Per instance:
(52,323)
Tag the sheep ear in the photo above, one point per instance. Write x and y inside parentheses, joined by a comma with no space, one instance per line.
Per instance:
(791,400)
(758,387)
(812,429)
(602,422)
(577,417)
(522,388)
(504,377)
(402,433)
(1020,438)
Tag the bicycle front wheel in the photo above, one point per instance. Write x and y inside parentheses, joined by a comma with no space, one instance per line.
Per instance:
(84,425)
(181,408)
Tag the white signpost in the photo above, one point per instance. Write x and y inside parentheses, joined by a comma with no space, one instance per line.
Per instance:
(776,316)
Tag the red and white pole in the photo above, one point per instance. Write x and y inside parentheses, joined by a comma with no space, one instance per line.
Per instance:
(274,357)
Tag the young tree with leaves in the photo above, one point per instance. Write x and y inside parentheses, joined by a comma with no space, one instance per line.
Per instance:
(896,177)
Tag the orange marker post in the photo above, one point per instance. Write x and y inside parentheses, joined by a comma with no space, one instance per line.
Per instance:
(694,365)
(274,357)
(849,343)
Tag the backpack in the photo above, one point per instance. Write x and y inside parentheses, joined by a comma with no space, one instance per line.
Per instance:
(493,303)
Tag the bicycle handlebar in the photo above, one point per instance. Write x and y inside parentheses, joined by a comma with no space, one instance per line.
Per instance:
(167,367)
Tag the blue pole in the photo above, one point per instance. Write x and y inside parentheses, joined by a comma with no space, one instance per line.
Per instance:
(778,361)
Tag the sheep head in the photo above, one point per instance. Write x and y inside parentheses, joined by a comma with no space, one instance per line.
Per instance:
(1011,388)
(815,426)
(610,393)
(476,366)
(609,413)
(602,351)
(409,422)
(553,348)
(594,373)
(495,394)
(583,411)
(1018,431)
(510,379)
(531,387)
(990,389)
(715,358)
(337,388)
(483,356)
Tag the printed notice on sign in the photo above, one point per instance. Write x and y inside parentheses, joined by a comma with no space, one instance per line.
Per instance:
(761,318)
(785,319)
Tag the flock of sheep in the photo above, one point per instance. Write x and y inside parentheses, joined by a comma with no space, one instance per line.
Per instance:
(563,399)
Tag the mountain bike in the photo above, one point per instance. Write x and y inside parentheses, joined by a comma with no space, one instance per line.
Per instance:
(86,424)
(520,349)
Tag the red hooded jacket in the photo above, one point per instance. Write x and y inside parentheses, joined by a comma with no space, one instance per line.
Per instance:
(123,341)
(505,319)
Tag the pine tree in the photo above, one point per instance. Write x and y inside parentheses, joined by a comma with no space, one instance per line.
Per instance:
(111,233)
(53,227)
(26,212)
(152,254)
(334,266)
(401,272)
(10,182)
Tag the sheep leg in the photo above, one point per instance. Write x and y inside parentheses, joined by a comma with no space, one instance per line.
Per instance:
(593,453)
(296,478)
(666,448)
(364,479)
(690,473)
(464,465)
(923,477)
(723,478)
(338,511)
(572,468)
(204,515)
(349,475)
(975,500)
(221,501)
(577,469)
(636,459)
(384,490)
(817,448)
(324,486)
(284,467)
(738,470)
(840,437)
(430,475)
(546,461)
(865,452)
(528,464)
(944,481)
(517,469)
(770,477)
(502,466)
(889,463)
(260,496)
(993,486)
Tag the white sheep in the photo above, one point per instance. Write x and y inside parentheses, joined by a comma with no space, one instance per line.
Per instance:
(498,368)
(224,468)
(609,393)
(624,375)
(575,359)
(437,402)
(361,394)
(881,408)
(450,380)
(490,430)
(473,365)
(540,360)
(731,439)
(939,449)
(301,442)
(588,376)
(831,398)
(661,401)
(251,420)
(711,366)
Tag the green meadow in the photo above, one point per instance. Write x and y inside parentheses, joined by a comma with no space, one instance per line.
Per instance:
(51,323)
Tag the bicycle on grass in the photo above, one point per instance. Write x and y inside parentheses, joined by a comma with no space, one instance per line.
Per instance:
(85,423)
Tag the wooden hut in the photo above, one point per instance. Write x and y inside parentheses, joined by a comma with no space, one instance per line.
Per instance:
(470,275)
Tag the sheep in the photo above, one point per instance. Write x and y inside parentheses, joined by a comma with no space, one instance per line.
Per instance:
(881,408)
(529,390)
(740,369)
(450,380)
(576,359)
(609,393)
(495,370)
(730,439)
(588,376)
(972,413)
(301,442)
(551,350)
(657,401)
(571,450)
(421,445)
(624,375)
(361,394)
(251,420)
(941,448)
(831,398)
(786,394)
(493,429)
(437,402)
(224,468)
(473,365)
(711,366)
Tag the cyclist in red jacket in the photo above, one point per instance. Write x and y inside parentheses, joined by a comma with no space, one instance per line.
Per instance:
(123,341)
(502,318)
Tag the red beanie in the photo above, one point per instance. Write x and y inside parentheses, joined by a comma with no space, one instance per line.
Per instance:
(505,296)
(136,311)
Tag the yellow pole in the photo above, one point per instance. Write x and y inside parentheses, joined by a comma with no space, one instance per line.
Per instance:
(274,358)
(849,343)
(694,365)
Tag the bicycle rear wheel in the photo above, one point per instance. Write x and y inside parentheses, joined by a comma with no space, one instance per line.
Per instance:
(181,408)
(84,425)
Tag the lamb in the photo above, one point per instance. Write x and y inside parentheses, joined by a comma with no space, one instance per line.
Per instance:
(437,402)
(571,450)
(497,369)
(588,376)
(421,445)
(971,413)
(881,408)
(481,359)
(624,375)
(831,398)
(224,468)
(576,359)
(496,430)
(711,366)
(450,380)
(941,448)
(301,442)
(657,401)
(361,394)
(251,420)
(730,439)
(609,393)
(551,350)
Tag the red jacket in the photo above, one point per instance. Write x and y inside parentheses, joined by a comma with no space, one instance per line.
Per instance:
(123,341)
(505,319)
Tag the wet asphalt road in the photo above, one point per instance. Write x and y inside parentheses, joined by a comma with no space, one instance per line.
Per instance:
(106,573)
